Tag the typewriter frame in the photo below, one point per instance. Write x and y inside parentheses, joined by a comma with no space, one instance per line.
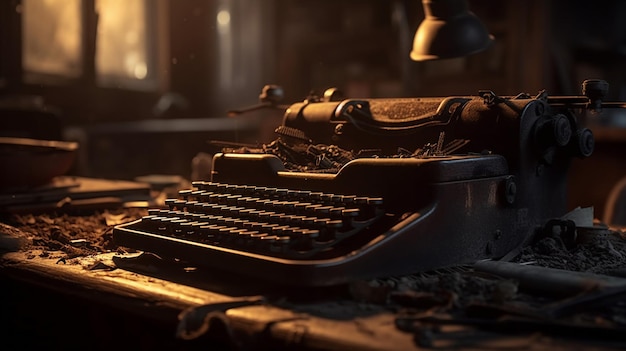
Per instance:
(481,204)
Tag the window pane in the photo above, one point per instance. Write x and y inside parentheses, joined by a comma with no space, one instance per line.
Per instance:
(122,46)
(52,37)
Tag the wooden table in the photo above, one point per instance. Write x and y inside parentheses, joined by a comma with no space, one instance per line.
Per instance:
(182,307)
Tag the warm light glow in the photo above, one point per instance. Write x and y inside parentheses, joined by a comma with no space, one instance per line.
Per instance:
(141,70)
(223,18)
(52,37)
(121,51)
(53,40)
(225,47)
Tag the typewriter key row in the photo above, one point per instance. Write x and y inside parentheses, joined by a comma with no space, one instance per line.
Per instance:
(282,222)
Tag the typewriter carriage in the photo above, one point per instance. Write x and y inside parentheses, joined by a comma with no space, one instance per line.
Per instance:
(537,136)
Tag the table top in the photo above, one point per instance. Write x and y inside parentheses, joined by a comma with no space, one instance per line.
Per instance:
(460,309)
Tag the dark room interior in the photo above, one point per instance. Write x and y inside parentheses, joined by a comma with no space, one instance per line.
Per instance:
(313,175)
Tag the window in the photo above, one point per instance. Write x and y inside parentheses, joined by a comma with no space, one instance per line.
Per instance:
(55,42)
(53,38)
(122,48)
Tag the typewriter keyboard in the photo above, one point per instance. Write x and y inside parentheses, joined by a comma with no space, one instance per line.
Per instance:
(275,222)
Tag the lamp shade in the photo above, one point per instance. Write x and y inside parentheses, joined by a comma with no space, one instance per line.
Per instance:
(449,30)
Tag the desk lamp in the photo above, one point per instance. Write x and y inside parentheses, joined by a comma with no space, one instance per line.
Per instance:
(449,30)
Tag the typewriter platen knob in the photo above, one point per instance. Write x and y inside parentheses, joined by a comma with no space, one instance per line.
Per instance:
(583,143)
(553,131)
(595,90)
(272,94)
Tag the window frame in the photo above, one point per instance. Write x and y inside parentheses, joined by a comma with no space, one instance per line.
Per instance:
(84,99)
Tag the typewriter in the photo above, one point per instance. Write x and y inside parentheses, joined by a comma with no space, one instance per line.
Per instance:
(366,188)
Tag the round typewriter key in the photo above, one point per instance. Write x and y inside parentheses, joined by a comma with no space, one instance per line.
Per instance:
(316,196)
(301,195)
(187,229)
(269,205)
(221,187)
(213,219)
(230,187)
(308,222)
(205,207)
(348,199)
(280,230)
(229,221)
(296,220)
(188,205)
(245,212)
(190,216)
(275,217)
(337,199)
(249,225)
(328,228)
(253,214)
(232,199)
(239,235)
(290,206)
(259,204)
(360,200)
(149,222)
(336,212)
(261,190)
(213,197)
(174,227)
(223,199)
(257,235)
(280,244)
(198,184)
(209,186)
(226,233)
(185,193)
(196,231)
(292,194)
(256,239)
(303,239)
(327,198)
(194,216)
(231,211)
(198,207)
(264,216)
(281,193)
(300,207)
(203,196)
(376,201)
(210,231)
(322,211)
(266,242)
(242,201)
(170,203)
(268,227)
(247,189)
(310,209)
(153,211)
(348,216)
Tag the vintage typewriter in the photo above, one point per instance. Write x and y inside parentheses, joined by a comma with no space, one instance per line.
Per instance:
(365,188)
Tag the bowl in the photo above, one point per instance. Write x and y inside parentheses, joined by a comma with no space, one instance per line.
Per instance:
(27,163)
